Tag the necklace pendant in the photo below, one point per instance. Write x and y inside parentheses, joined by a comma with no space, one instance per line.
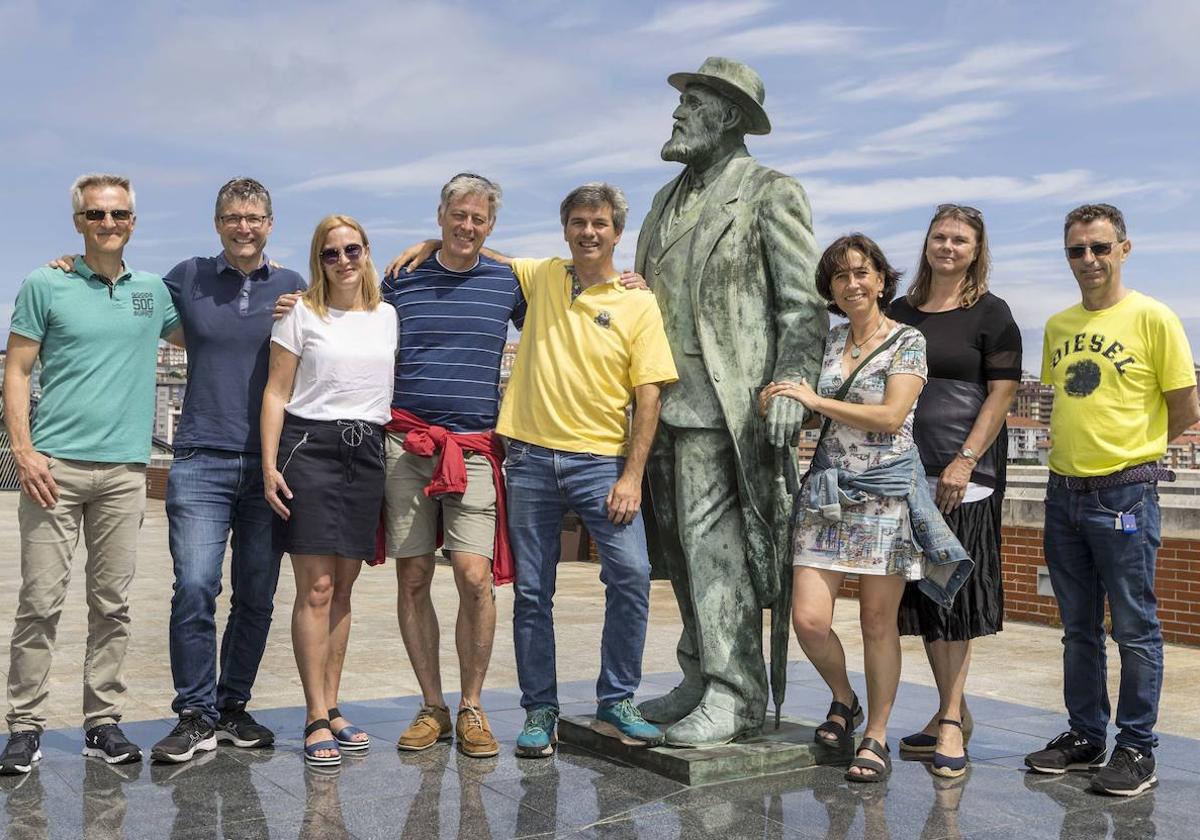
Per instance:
(855,352)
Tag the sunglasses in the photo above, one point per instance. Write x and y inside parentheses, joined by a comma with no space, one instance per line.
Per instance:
(232,220)
(1099,249)
(330,256)
(966,210)
(98,215)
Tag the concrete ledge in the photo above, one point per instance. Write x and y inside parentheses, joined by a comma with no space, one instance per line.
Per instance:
(791,747)
(1179,501)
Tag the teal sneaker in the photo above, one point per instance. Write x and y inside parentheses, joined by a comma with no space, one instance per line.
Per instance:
(623,720)
(537,738)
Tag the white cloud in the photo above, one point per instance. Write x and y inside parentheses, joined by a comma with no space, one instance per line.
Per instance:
(789,39)
(695,17)
(1008,67)
(892,194)
(624,140)
(1158,54)
(949,122)
(931,135)
(270,76)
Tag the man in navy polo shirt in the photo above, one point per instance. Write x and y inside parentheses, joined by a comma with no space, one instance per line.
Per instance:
(215,486)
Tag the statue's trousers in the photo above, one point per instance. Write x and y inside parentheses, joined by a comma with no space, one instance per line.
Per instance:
(693,484)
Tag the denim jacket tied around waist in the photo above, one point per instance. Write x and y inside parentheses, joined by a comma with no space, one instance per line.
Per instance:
(945,564)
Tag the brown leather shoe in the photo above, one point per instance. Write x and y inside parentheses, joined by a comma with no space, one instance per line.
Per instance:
(432,724)
(473,734)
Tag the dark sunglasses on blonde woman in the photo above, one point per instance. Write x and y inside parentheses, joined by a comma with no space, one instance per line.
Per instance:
(330,256)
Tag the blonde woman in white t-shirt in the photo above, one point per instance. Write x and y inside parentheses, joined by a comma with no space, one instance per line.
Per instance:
(328,394)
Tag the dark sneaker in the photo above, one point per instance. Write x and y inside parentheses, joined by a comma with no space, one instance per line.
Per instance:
(23,750)
(1128,773)
(108,742)
(1069,751)
(192,734)
(237,727)
(538,737)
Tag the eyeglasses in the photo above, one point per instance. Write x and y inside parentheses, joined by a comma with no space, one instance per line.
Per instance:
(232,220)
(1099,249)
(330,256)
(95,215)
(967,211)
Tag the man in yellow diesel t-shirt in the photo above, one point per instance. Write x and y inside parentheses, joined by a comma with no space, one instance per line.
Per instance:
(588,347)
(1124,387)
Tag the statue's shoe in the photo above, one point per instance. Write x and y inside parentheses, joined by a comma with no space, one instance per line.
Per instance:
(675,705)
(710,726)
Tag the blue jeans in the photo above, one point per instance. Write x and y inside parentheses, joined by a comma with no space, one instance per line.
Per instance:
(542,485)
(1089,558)
(211,493)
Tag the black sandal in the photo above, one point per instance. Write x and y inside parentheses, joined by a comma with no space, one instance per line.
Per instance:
(880,770)
(853,714)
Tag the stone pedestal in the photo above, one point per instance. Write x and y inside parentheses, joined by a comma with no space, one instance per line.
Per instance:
(790,747)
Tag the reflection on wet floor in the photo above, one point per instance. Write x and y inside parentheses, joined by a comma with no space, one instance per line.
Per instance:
(442,794)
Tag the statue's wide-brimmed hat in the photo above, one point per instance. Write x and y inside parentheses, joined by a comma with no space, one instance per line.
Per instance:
(735,80)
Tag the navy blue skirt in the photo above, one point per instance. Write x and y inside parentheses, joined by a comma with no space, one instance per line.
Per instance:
(334,469)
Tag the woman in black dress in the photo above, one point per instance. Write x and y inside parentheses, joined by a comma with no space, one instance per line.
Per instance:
(974,356)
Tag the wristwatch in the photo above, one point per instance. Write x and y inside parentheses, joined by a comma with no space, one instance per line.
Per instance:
(967,453)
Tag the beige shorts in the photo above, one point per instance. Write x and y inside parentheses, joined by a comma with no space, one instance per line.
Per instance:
(468,521)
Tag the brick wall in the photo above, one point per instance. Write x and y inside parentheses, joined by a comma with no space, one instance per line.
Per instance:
(156,482)
(1176,582)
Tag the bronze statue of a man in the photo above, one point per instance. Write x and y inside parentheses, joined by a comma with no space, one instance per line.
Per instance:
(728,248)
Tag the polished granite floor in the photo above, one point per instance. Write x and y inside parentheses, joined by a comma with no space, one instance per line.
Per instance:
(439,793)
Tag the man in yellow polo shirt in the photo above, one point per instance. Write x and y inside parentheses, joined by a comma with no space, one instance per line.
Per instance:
(588,348)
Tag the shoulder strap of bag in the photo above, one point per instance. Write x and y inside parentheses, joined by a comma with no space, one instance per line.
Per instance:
(845,389)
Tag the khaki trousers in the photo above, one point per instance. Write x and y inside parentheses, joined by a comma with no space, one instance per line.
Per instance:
(109,501)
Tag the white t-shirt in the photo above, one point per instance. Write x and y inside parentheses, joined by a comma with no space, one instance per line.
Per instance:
(347,362)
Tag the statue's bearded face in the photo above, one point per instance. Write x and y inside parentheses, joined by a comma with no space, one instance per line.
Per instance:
(699,125)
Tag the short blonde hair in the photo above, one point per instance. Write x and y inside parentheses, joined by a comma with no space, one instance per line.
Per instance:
(317,296)
(99,179)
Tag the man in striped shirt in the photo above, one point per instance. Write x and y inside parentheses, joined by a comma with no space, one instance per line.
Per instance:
(454,309)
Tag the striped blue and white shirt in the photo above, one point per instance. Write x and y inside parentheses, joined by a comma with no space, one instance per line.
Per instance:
(453,327)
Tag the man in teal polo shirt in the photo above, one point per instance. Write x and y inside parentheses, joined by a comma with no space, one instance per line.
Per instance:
(96,331)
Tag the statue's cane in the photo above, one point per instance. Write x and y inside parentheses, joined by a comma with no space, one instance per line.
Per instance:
(781,612)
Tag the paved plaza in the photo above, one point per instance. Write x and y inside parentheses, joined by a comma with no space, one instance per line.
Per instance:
(1014,694)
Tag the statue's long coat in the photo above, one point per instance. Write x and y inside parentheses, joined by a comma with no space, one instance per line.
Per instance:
(758,318)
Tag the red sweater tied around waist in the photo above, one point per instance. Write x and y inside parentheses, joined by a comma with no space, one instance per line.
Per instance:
(450,476)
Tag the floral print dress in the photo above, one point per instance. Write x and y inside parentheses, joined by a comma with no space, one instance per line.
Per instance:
(873,538)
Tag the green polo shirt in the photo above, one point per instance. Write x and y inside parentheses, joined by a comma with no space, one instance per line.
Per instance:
(99,351)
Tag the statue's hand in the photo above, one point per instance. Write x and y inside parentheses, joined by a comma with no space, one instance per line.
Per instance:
(784,419)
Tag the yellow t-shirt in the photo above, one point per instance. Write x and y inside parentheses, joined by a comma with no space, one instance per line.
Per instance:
(1109,369)
(580,360)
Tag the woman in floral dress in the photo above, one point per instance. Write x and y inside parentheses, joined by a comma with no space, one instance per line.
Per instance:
(868,426)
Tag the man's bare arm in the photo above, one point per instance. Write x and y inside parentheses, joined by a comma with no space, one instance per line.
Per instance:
(625,498)
(33,468)
(1182,411)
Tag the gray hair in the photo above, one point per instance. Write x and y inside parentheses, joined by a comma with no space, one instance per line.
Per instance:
(243,189)
(1087,213)
(99,179)
(596,194)
(468,183)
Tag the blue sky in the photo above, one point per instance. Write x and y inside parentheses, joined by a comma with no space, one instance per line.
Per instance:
(881,109)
